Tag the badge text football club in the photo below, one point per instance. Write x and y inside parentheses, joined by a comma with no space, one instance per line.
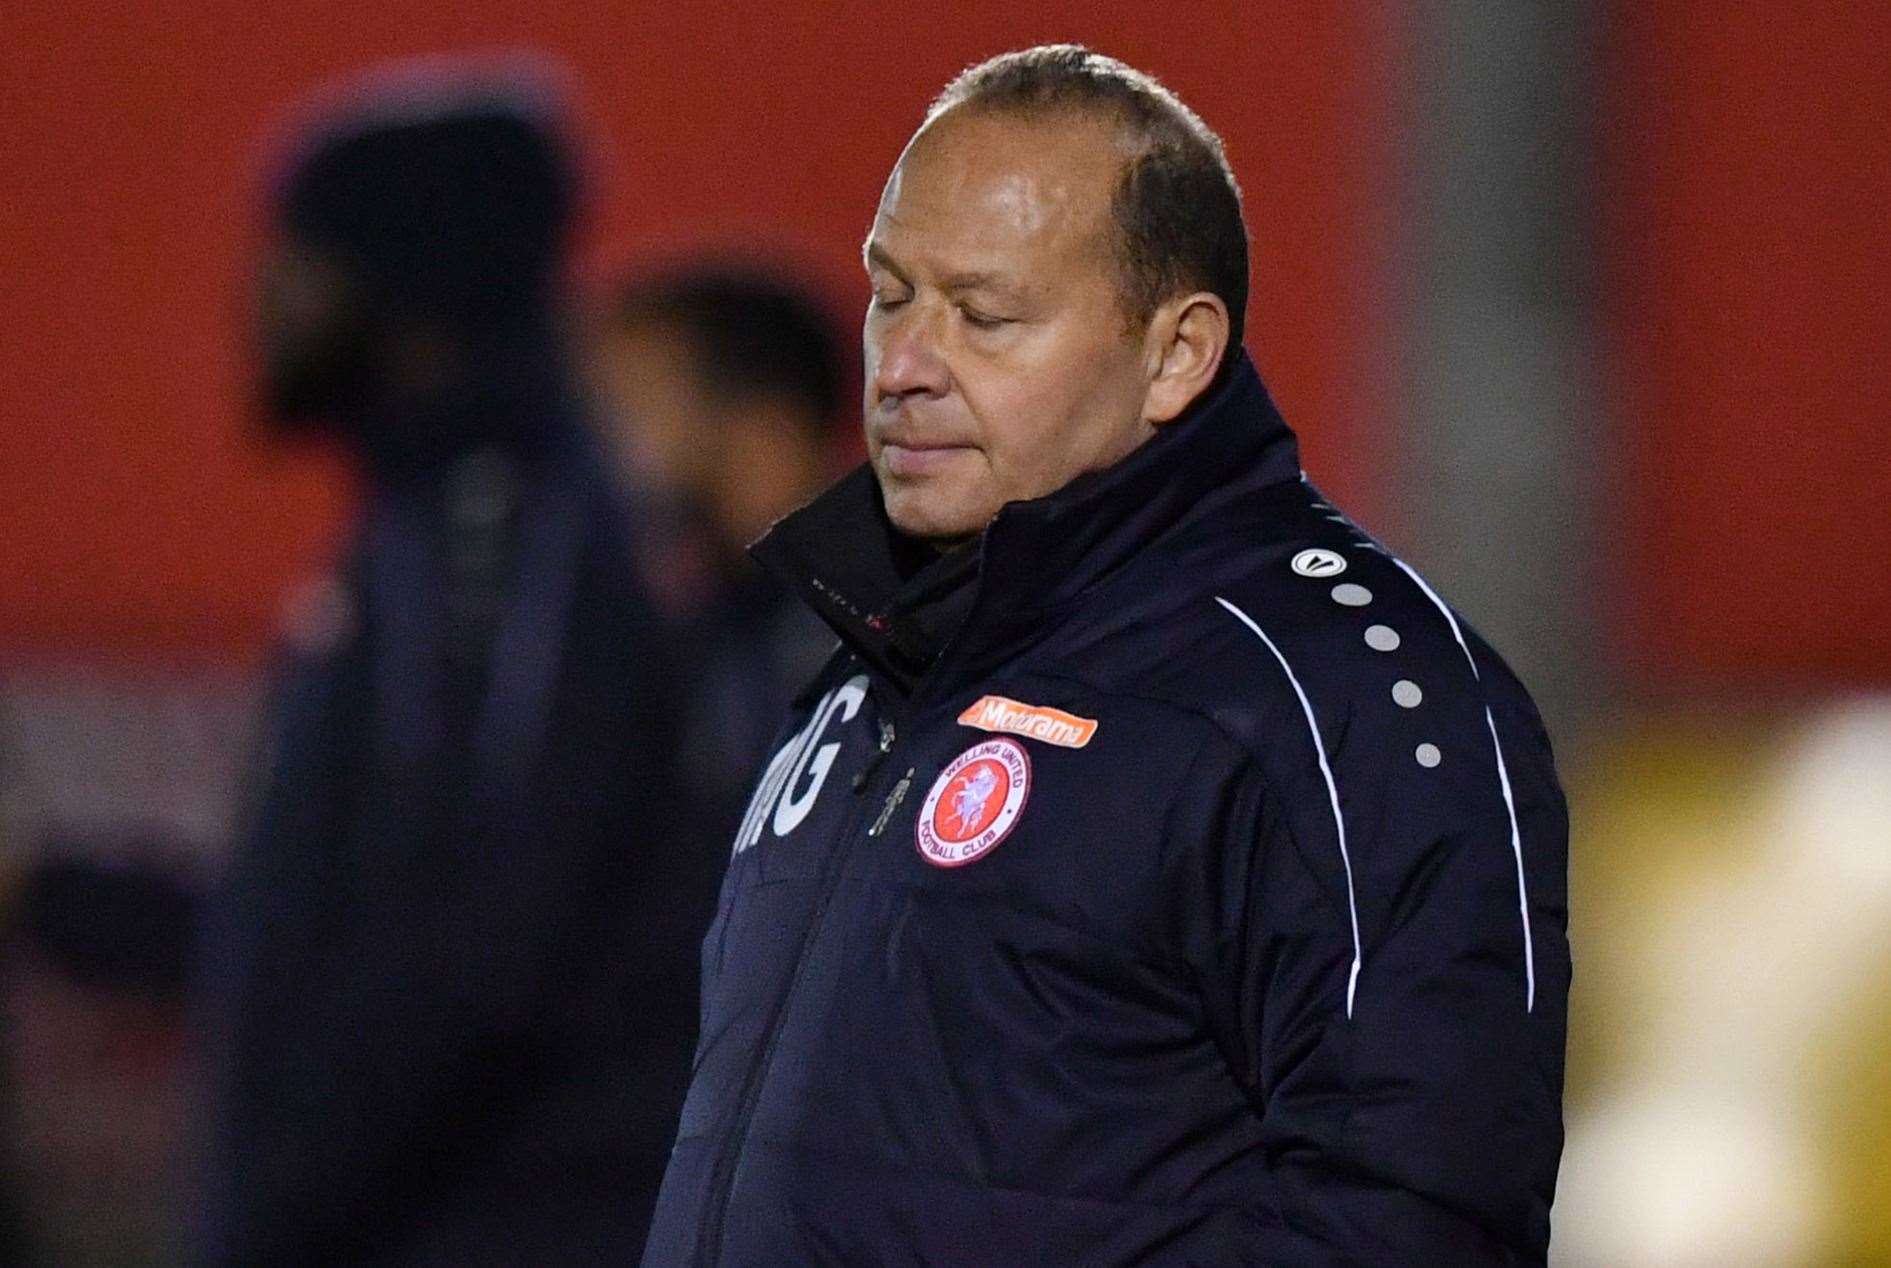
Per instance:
(974,803)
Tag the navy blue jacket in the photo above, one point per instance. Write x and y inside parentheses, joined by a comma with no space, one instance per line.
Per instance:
(1194,894)
(451,972)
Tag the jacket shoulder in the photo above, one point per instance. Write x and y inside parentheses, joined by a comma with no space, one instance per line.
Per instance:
(1331,662)
(1388,736)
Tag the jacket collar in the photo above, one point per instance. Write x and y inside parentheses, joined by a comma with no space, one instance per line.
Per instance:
(877,587)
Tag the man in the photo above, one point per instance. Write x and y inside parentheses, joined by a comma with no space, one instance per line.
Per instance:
(1160,873)
(452,972)
(722,386)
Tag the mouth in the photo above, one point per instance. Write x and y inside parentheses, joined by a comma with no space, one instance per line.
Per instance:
(905,457)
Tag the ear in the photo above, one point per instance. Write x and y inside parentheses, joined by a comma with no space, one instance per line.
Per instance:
(1183,349)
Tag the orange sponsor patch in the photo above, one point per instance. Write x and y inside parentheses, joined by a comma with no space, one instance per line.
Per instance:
(1052,726)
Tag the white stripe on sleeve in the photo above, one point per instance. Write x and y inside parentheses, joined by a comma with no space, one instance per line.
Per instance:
(1332,791)
(1503,780)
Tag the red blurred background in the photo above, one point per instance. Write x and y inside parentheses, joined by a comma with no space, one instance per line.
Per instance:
(138,518)
(1744,187)
(1745,191)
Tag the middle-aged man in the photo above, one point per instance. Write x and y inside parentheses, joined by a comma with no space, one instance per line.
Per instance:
(1160,872)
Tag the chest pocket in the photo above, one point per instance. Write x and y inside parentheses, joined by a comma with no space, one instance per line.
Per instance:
(793,781)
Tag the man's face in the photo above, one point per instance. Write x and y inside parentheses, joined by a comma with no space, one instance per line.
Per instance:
(999,365)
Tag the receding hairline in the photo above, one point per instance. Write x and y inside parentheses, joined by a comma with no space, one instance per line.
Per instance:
(1092,85)
(1114,124)
(1117,137)
(973,113)
(1165,248)
(1115,128)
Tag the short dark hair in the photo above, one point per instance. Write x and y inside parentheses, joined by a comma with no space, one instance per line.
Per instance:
(1176,207)
(753,335)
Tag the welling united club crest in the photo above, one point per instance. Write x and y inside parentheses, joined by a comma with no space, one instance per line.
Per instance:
(974,803)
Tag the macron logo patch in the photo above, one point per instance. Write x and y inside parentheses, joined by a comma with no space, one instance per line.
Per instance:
(1053,726)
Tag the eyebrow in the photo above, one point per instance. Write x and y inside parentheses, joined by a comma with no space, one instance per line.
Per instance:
(968,280)
(979,282)
(875,254)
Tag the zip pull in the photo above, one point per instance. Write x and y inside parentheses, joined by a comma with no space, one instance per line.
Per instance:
(893,800)
(865,773)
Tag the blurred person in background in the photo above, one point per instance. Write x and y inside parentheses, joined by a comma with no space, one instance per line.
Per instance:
(450,978)
(94,952)
(721,388)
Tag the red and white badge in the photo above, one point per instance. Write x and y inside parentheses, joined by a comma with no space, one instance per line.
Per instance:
(974,803)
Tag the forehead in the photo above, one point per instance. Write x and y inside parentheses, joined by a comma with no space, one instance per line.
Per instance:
(984,188)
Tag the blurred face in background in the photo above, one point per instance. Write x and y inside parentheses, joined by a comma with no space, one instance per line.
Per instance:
(741,462)
(999,361)
(646,383)
(315,335)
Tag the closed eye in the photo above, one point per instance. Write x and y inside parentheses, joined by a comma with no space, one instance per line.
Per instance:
(983,321)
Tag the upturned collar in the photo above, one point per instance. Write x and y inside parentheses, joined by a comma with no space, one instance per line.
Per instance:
(898,605)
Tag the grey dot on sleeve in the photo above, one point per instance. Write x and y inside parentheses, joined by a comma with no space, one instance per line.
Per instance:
(1382,638)
(1351,595)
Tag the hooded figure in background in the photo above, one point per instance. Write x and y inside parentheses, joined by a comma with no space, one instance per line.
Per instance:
(451,979)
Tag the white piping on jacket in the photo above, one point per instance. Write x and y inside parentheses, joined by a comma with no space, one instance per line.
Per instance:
(1503,780)
(1332,791)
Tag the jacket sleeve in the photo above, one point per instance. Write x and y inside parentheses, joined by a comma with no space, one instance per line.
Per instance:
(1403,1050)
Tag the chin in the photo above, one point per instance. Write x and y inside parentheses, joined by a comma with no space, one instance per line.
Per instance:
(931,518)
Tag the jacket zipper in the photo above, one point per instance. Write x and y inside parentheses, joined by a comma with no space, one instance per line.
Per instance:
(722,1185)
(863,776)
(893,800)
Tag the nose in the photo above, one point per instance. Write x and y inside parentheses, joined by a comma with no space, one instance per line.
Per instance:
(903,349)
